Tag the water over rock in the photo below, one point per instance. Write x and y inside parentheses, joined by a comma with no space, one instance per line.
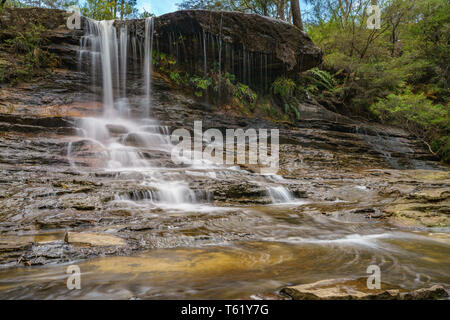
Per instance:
(290,48)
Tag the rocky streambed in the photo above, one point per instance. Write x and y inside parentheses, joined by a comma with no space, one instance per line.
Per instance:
(347,195)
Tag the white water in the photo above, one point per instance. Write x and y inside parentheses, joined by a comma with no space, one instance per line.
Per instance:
(149,26)
(280,194)
(120,142)
(115,133)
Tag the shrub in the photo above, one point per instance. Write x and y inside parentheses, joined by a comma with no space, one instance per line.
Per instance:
(29,46)
(284,87)
(428,121)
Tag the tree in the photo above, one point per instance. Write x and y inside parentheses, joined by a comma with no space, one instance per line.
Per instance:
(52,4)
(110,9)
(296,14)
(146,14)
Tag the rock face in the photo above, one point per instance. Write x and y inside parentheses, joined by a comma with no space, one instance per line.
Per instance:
(241,41)
(60,40)
(290,48)
(254,48)
(345,169)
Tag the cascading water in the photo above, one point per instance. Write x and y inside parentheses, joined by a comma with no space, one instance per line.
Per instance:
(280,194)
(115,132)
(149,26)
(121,143)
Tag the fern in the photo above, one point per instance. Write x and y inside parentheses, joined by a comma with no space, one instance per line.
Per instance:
(321,78)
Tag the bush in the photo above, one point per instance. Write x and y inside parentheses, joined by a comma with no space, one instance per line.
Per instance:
(284,87)
(28,47)
(428,121)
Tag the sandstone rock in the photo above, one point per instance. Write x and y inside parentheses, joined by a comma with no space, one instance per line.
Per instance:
(428,207)
(338,289)
(93,239)
(287,48)
(433,293)
(342,289)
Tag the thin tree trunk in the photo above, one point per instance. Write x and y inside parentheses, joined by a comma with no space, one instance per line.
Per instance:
(280,9)
(296,14)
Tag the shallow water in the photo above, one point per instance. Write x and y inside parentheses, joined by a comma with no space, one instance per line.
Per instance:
(292,249)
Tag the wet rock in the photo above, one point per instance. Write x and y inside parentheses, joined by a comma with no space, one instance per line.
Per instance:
(82,203)
(431,195)
(433,293)
(338,289)
(428,207)
(93,239)
(292,50)
(62,223)
(116,129)
(341,289)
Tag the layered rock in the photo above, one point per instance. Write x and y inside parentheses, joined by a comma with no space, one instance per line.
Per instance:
(61,41)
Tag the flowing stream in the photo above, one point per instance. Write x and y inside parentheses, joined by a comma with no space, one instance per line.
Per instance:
(247,250)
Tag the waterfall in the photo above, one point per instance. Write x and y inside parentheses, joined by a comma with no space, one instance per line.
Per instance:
(122,143)
(280,194)
(123,59)
(204,54)
(118,138)
(148,46)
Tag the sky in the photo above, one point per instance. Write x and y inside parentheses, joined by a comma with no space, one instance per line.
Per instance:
(158,7)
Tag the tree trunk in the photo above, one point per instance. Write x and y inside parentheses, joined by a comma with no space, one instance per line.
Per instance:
(296,14)
(280,9)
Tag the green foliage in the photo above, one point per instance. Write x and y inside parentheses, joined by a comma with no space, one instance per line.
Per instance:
(419,115)
(111,9)
(52,4)
(146,14)
(27,45)
(25,42)
(316,82)
(397,74)
(242,91)
(286,90)
(200,85)
(284,87)
(163,61)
